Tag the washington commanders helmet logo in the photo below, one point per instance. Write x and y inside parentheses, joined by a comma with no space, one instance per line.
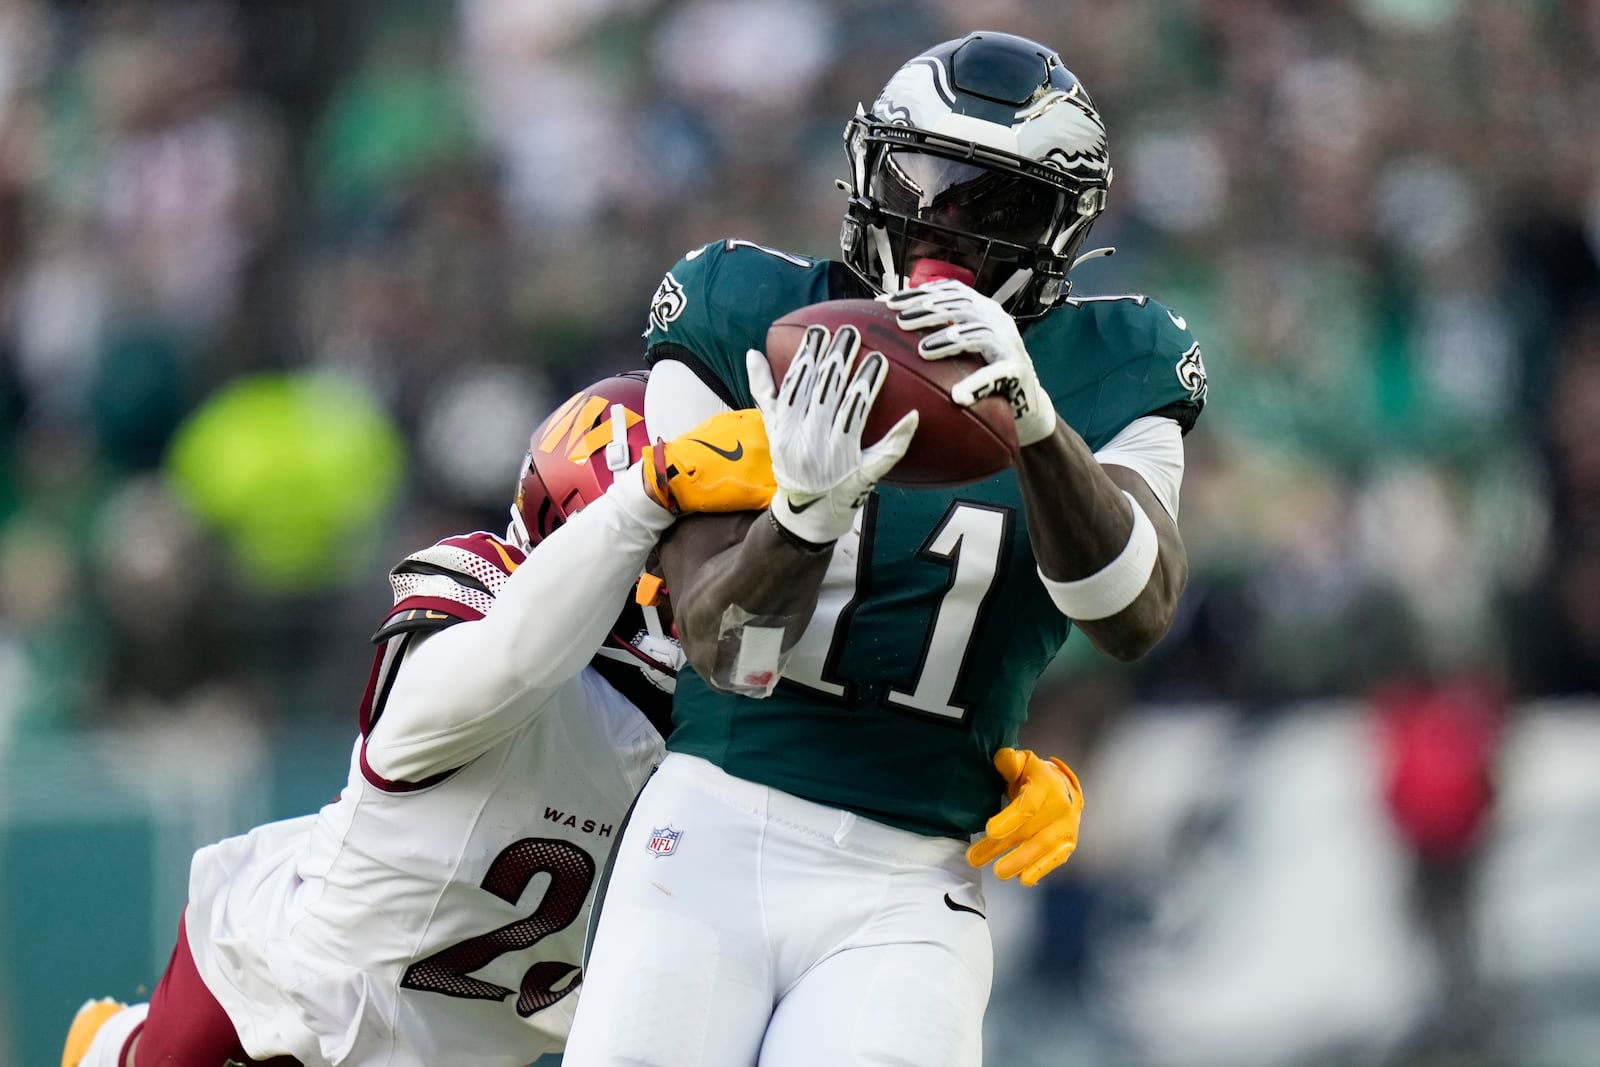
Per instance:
(580,428)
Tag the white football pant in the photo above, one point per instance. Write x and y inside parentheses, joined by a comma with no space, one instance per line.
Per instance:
(779,932)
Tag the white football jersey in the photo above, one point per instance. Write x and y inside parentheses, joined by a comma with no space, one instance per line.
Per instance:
(435,912)
(443,925)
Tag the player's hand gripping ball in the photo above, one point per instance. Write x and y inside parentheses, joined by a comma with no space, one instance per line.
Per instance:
(1038,831)
(814,420)
(954,445)
(954,321)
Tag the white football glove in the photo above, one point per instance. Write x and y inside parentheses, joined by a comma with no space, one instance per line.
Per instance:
(974,323)
(814,423)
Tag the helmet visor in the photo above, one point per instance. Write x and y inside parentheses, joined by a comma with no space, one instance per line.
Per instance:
(956,195)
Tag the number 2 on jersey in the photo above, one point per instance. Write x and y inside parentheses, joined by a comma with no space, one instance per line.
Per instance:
(571,871)
(969,540)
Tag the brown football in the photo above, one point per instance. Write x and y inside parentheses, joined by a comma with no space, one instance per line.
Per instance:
(953,445)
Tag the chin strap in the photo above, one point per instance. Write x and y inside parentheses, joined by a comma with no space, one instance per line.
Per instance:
(1013,285)
(656,653)
(618,458)
(517,531)
(892,282)
(650,656)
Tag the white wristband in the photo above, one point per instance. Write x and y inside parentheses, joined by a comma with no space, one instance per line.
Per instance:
(1117,584)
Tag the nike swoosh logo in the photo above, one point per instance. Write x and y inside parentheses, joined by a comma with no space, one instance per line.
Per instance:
(953,906)
(798,508)
(1177,320)
(737,453)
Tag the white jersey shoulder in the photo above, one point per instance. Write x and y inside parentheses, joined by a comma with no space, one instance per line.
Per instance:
(454,580)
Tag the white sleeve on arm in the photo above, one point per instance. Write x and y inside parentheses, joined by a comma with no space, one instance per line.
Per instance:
(457,691)
(1153,447)
(676,400)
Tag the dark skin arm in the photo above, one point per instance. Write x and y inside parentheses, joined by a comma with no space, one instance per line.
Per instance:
(1078,521)
(713,561)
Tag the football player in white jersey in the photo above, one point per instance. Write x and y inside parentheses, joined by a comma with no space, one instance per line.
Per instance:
(435,912)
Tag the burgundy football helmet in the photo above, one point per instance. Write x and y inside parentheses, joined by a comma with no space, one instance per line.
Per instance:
(572,459)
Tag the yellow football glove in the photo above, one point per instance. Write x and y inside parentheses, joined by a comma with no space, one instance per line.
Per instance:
(723,464)
(1038,830)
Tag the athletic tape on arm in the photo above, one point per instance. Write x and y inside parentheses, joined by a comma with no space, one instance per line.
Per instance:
(749,653)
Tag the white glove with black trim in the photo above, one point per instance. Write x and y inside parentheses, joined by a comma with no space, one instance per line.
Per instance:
(814,423)
(974,323)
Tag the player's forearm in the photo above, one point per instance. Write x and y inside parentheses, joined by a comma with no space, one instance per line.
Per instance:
(1078,520)
(557,608)
(1081,521)
(457,691)
(726,572)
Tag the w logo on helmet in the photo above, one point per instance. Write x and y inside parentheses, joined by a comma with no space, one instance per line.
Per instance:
(581,427)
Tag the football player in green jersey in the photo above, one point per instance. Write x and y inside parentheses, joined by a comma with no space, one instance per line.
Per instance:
(795,886)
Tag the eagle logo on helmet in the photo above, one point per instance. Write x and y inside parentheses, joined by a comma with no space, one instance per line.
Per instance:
(1075,136)
(985,152)
(1057,126)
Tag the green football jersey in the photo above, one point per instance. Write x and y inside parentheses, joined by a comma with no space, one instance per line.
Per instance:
(932,626)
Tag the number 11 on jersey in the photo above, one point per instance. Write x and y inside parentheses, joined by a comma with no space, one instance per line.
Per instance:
(969,540)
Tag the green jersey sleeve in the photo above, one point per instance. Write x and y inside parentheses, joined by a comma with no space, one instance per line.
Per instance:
(716,303)
(1108,360)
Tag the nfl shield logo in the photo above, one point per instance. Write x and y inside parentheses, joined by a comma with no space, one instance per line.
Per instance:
(663,839)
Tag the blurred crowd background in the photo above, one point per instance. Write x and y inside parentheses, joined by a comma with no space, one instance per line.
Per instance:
(284,288)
